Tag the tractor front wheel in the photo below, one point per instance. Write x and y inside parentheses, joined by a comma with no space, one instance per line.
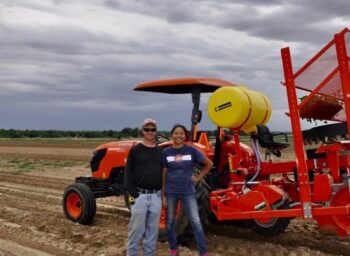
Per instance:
(79,204)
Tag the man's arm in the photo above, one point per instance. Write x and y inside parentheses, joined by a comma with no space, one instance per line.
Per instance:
(164,174)
(128,174)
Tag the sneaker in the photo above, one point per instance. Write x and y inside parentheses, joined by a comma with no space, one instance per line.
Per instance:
(173,252)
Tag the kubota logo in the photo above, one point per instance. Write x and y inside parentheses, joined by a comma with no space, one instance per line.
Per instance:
(223,106)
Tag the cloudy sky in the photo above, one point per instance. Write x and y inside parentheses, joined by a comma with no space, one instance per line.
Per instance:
(72,64)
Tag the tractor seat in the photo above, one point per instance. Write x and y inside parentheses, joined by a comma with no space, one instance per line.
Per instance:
(265,139)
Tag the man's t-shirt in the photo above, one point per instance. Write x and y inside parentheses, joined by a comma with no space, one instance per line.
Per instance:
(180,165)
(143,169)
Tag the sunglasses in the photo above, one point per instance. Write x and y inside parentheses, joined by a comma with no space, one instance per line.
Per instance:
(150,129)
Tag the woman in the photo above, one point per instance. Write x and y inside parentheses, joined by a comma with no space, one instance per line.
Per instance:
(179,179)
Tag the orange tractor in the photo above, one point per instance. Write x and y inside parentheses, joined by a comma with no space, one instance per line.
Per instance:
(242,186)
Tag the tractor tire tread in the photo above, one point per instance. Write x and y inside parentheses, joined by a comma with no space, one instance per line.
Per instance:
(88,203)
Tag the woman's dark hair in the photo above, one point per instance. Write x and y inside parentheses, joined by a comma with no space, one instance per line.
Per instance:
(177,126)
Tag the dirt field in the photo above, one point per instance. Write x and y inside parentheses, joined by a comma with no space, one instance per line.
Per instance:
(34,174)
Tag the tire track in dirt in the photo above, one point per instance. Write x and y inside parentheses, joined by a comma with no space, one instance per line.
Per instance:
(17,249)
(38,181)
(24,221)
(37,195)
(300,233)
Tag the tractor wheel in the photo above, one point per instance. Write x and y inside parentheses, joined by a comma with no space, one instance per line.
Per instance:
(79,204)
(273,227)
(203,190)
(341,198)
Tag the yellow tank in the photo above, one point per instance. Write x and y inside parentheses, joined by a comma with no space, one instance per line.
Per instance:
(239,108)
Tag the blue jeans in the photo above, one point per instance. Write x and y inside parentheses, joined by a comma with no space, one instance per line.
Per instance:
(189,202)
(144,224)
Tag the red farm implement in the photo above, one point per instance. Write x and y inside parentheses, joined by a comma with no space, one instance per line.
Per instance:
(242,186)
(316,185)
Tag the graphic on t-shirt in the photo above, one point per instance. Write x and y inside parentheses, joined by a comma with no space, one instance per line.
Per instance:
(178,158)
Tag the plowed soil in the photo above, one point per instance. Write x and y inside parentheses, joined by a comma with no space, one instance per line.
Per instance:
(34,174)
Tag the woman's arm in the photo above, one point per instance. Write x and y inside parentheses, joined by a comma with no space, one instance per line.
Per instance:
(207,167)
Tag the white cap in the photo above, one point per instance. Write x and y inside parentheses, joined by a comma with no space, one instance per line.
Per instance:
(149,121)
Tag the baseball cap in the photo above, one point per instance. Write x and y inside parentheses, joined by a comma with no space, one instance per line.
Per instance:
(149,121)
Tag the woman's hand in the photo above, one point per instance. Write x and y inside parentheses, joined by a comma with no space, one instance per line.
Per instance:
(207,166)
(196,178)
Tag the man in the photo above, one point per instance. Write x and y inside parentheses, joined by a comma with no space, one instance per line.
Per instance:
(143,181)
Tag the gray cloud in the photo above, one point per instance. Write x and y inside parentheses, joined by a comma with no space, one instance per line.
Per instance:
(73,64)
(295,20)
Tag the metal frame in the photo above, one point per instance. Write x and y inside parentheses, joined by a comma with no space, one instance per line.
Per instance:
(343,67)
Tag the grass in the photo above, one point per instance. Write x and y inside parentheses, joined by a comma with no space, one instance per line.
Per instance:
(55,142)
(25,165)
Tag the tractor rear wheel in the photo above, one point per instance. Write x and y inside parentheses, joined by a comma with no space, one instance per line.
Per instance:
(273,227)
(79,204)
(203,190)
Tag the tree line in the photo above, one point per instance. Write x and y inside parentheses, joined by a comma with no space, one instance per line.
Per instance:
(13,133)
(126,132)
